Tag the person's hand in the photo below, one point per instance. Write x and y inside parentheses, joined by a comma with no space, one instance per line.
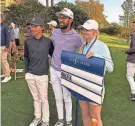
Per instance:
(123,51)
(89,55)
(80,49)
(5,49)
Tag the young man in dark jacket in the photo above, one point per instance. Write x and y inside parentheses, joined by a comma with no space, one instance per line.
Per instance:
(36,50)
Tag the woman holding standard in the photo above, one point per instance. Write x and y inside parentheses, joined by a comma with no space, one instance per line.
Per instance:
(93,47)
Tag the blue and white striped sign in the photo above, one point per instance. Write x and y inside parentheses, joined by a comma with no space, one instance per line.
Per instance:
(83,77)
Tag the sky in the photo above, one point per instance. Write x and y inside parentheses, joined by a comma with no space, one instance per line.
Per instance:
(112,8)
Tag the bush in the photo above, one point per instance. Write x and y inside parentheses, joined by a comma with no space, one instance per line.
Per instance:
(113,29)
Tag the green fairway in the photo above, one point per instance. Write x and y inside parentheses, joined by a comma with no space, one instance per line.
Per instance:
(118,110)
(112,39)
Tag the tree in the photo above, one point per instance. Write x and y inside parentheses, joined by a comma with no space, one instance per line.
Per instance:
(18,1)
(128,17)
(112,29)
(129,13)
(23,13)
(79,15)
(94,10)
(47,3)
(52,2)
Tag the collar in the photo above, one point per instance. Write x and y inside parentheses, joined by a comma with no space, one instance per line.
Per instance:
(39,38)
(89,42)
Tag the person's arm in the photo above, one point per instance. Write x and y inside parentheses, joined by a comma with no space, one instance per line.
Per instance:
(105,54)
(80,49)
(129,41)
(26,60)
(131,50)
(108,60)
(51,49)
(80,42)
(7,35)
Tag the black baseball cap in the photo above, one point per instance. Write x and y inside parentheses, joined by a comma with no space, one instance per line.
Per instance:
(37,21)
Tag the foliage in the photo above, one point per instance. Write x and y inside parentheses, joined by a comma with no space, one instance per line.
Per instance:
(79,15)
(23,13)
(129,13)
(94,9)
(113,29)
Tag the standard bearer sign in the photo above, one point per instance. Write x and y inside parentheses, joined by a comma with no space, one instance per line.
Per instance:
(83,77)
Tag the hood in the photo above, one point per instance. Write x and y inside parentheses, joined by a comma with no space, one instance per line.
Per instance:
(71,32)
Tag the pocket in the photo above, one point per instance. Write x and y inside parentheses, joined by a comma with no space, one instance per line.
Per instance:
(42,79)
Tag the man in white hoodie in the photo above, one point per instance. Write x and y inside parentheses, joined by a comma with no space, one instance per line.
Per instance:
(64,38)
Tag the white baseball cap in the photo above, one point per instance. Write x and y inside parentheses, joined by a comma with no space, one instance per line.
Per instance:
(67,12)
(54,23)
(13,25)
(89,25)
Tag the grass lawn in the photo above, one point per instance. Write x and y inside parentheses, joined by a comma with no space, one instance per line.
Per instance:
(113,41)
(118,110)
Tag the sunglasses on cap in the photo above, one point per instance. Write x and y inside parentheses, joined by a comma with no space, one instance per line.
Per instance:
(63,17)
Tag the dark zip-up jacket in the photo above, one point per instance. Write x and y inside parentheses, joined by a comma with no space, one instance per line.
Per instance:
(5,35)
(36,55)
(131,51)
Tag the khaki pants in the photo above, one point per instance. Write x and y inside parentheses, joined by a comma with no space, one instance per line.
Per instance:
(130,76)
(5,65)
(12,50)
(38,86)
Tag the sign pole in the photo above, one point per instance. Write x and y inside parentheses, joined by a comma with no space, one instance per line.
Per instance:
(76,116)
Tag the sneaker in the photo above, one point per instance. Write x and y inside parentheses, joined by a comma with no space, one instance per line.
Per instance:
(69,123)
(1,76)
(45,124)
(59,123)
(6,79)
(35,122)
(132,97)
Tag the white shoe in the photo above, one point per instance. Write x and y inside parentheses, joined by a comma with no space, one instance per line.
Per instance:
(35,122)
(6,79)
(1,76)
(59,123)
(69,123)
(45,124)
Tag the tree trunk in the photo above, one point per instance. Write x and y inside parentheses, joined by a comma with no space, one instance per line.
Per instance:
(52,2)
(47,3)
